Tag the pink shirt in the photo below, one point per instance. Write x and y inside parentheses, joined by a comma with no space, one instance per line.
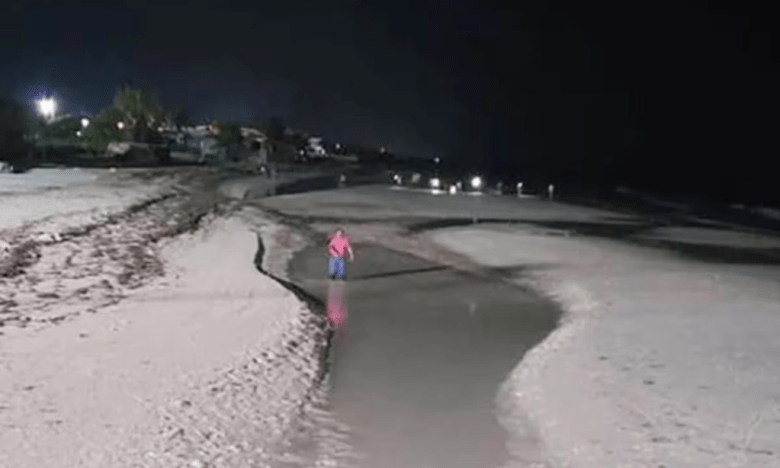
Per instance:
(339,245)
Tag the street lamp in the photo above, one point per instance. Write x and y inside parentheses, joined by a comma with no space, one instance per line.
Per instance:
(47,107)
(84,122)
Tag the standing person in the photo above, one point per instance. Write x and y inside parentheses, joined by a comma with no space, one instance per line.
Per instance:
(339,246)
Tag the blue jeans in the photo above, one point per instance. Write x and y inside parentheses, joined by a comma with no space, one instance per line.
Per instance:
(337,267)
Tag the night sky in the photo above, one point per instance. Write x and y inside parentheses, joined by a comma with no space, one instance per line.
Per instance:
(546,86)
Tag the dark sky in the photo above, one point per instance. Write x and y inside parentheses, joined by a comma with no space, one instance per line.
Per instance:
(706,76)
(466,79)
(386,76)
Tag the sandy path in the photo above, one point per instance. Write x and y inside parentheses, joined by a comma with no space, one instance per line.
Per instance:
(660,361)
(203,362)
(90,392)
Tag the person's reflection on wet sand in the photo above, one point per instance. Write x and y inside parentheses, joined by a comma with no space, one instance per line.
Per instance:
(337,304)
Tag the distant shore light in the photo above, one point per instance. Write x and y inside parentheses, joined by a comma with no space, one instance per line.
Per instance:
(47,107)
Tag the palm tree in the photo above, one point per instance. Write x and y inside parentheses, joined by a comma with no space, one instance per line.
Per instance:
(141,113)
(181,118)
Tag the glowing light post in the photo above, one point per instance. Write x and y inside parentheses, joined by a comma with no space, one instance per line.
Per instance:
(476,184)
(47,107)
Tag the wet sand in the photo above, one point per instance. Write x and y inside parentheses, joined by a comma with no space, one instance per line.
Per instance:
(419,354)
